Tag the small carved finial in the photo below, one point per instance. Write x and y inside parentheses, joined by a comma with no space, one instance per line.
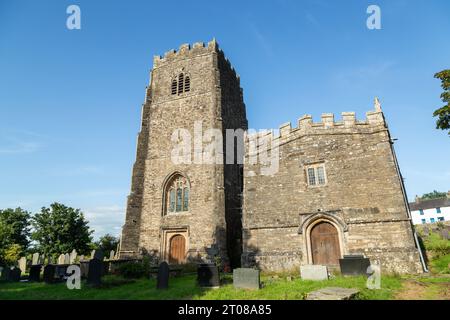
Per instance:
(377,104)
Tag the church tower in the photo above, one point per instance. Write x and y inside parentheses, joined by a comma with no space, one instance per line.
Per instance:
(189,210)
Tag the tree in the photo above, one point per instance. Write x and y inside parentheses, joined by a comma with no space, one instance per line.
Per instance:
(107,243)
(14,228)
(443,113)
(434,195)
(61,229)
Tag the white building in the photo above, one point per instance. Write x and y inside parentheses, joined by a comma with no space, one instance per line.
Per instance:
(430,211)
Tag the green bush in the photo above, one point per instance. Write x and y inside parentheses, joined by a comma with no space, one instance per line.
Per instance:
(133,270)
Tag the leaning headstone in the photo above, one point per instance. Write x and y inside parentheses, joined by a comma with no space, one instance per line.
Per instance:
(35,273)
(313,272)
(111,255)
(22,264)
(354,265)
(67,258)
(208,275)
(95,272)
(73,256)
(49,273)
(162,281)
(61,258)
(246,278)
(35,259)
(14,274)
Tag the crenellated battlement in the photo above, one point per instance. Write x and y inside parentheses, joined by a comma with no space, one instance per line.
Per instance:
(327,125)
(185,51)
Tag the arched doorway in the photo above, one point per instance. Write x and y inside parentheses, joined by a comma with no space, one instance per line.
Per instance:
(325,244)
(177,249)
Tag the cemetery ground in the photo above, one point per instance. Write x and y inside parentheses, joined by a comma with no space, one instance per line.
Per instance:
(274,287)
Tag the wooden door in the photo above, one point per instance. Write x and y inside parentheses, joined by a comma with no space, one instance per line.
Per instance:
(325,244)
(177,249)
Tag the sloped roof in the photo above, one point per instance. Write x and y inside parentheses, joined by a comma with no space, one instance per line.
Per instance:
(429,204)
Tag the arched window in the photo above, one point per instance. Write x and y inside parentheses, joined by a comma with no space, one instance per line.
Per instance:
(180,84)
(177,195)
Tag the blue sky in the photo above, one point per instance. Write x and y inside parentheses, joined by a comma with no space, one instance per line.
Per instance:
(70,99)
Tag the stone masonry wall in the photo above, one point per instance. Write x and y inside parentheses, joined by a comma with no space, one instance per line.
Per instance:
(204,224)
(362,196)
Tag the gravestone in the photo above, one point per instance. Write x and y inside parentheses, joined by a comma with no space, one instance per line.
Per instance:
(313,272)
(22,264)
(95,272)
(35,259)
(354,265)
(41,259)
(208,275)
(84,268)
(111,255)
(445,234)
(61,271)
(61,259)
(162,281)
(5,273)
(14,275)
(49,273)
(333,293)
(35,273)
(97,254)
(67,258)
(82,258)
(246,278)
(73,256)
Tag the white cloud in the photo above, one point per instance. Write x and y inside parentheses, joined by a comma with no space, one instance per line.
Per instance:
(105,219)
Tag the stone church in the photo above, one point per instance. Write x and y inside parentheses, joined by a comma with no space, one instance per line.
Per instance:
(337,189)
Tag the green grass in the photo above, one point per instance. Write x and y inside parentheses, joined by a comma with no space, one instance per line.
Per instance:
(441,265)
(185,287)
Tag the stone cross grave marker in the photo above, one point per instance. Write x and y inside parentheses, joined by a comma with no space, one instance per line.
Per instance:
(313,272)
(163,276)
(246,278)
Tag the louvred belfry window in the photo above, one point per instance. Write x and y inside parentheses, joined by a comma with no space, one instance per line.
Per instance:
(187,84)
(174,86)
(180,84)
